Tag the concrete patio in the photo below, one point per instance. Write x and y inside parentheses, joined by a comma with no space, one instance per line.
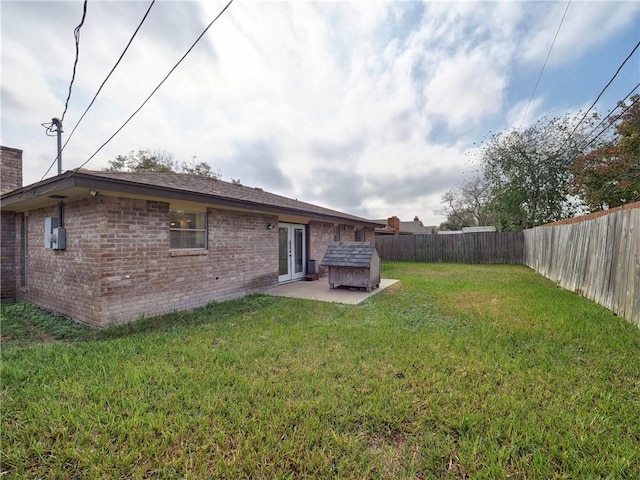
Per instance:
(319,290)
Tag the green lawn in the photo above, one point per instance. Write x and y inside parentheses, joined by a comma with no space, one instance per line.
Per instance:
(461,371)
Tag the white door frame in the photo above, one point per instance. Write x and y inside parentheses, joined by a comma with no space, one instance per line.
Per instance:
(292,252)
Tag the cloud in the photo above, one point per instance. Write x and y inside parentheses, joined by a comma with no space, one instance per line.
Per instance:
(466,89)
(364,107)
(516,114)
(586,25)
(255,162)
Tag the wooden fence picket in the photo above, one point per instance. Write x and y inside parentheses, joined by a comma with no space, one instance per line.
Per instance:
(596,256)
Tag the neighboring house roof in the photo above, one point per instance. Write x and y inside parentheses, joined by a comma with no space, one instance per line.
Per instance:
(388,229)
(405,228)
(346,254)
(176,186)
(415,227)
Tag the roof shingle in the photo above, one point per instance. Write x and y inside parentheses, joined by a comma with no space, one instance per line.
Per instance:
(221,189)
(346,254)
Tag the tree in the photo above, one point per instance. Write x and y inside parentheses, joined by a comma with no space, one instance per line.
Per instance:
(609,176)
(527,171)
(157,161)
(466,206)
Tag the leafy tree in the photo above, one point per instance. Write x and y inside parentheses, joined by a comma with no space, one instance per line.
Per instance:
(527,171)
(157,161)
(609,176)
(202,168)
(467,206)
(143,161)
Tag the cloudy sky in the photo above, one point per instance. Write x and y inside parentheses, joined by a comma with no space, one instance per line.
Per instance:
(370,107)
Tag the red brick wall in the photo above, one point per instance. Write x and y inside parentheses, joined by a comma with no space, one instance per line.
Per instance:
(149,279)
(8,256)
(10,169)
(369,235)
(64,281)
(10,179)
(118,266)
(320,236)
(394,223)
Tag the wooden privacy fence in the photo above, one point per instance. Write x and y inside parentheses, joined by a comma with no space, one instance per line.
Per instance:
(486,247)
(597,257)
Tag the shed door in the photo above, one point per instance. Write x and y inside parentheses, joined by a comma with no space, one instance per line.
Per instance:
(291,251)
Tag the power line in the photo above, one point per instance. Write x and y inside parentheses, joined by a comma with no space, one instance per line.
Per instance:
(603,90)
(102,85)
(612,123)
(148,97)
(526,110)
(76,34)
(609,115)
(159,85)
(575,128)
(112,70)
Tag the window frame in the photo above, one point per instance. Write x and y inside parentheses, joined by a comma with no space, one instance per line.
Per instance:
(358,230)
(203,230)
(336,232)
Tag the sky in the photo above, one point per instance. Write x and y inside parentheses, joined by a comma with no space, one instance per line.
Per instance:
(373,108)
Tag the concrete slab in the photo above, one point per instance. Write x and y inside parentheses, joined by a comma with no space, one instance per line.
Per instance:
(319,290)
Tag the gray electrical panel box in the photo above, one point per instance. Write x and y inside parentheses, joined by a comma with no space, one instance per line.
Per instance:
(54,236)
(59,238)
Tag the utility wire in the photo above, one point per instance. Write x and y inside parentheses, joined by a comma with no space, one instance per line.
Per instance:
(575,128)
(159,85)
(609,115)
(102,85)
(49,126)
(526,110)
(112,70)
(71,173)
(603,90)
(76,34)
(612,123)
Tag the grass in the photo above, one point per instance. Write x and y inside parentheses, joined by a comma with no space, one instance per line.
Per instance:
(462,371)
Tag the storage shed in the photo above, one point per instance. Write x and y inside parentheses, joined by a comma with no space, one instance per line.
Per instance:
(353,265)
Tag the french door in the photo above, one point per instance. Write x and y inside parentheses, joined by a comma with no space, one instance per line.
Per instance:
(291,251)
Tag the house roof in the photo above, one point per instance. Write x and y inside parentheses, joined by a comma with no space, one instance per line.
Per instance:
(405,228)
(170,186)
(391,231)
(345,254)
(414,227)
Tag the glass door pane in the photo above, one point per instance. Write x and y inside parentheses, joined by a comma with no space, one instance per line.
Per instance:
(283,250)
(298,236)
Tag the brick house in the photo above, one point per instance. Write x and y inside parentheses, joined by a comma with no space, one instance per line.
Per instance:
(111,247)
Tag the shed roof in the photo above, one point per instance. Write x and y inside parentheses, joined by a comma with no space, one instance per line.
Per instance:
(349,254)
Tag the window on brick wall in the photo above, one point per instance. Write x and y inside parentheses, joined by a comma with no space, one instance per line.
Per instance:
(188,229)
(358,233)
(336,233)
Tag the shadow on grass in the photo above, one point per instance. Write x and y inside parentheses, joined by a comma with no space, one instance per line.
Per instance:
(25,324)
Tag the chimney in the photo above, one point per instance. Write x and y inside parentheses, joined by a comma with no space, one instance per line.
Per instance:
(394,223)
(10,169)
